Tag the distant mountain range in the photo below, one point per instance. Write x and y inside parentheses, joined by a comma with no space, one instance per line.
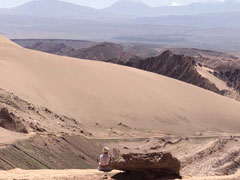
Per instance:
(230,19)
(50,8)
(56,9)
(122,8)
(213,26)
(140,9)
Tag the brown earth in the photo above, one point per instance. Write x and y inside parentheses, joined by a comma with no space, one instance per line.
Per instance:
(101,95)
(199,155)
(108,105)
(50,152)
(45,149)
(90,174)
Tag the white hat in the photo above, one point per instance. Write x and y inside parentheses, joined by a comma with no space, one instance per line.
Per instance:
(105,150)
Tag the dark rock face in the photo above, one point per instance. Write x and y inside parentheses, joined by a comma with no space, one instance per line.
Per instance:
(229,74)
(175,66)
(160,163)
(9,121)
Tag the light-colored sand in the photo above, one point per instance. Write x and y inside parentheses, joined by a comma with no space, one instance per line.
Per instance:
(8,137)
(89,174)
(17,174)
(109,94)
(207,73)
(221,85)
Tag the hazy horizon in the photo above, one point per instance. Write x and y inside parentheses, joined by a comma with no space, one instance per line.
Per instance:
(106,3)
(209,25)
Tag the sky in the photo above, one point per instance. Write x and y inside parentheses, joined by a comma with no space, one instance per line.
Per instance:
(103,3)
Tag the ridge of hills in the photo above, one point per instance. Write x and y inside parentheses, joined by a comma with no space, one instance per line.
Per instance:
(102,52)
(108,94)
(187,65)
(175,66)
(121,7)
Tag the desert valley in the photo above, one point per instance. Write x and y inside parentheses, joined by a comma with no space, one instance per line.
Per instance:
(113,105)
(156,85)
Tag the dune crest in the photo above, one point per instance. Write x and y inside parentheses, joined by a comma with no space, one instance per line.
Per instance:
(97,92)
(5,42)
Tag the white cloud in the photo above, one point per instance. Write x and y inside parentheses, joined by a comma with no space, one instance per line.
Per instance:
(175,4)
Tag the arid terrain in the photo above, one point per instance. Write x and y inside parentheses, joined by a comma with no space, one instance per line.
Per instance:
(211,70)
(58,112)
(88,175)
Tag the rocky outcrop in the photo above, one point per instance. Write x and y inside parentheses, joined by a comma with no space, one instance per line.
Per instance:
(230,75)
(53,48)
(158,163)
(102,52)
(10,122)
(175,66)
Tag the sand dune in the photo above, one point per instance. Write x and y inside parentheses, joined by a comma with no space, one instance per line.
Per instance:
(109,94)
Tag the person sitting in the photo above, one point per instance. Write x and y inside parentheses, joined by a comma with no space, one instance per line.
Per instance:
(105,161)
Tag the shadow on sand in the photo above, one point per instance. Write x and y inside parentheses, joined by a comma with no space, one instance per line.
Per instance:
(135,176)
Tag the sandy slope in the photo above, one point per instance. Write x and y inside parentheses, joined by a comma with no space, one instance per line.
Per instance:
(207,73)
(221,85)
(8,137)
(109,94)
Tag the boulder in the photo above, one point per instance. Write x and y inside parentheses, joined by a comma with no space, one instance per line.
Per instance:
(160,163)
(10,122)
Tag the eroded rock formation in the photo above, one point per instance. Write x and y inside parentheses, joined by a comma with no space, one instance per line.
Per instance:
(10,122)
(157,163)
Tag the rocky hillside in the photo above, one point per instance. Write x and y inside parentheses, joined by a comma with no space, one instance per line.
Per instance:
(34,137)
(50,152)
(20,116)
(208,58)
(175,66)
(53,48)
(102,52)
(229,74)
(76,44)
(83,49)
(220,154)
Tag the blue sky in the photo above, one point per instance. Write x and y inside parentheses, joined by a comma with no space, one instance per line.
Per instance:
(102,3)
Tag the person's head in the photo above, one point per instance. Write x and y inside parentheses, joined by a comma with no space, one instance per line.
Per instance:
(105,150)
